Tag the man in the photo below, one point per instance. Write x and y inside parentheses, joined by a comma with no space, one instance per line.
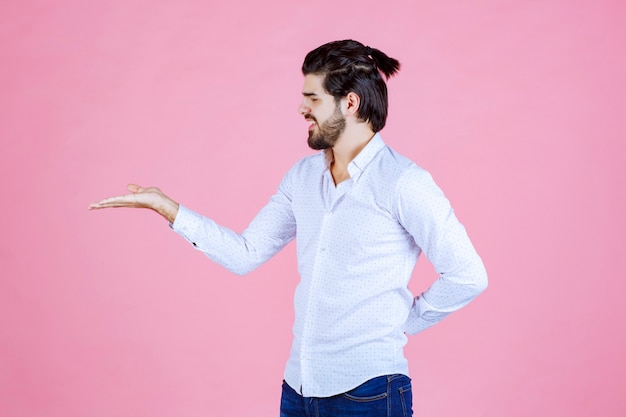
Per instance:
(361,214)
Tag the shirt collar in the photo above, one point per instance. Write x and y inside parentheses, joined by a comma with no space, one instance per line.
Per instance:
(367,154)
(358,164)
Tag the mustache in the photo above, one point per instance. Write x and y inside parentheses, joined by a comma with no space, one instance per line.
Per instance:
(310,118)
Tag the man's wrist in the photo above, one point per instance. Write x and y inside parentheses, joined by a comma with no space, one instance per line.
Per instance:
(169,210)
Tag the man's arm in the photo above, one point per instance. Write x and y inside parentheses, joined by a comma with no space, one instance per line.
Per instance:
(272,228)
(427,215)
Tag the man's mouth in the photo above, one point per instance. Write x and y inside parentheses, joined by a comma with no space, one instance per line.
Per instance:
(312,122)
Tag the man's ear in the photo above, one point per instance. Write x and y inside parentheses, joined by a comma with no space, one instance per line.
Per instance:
(351,104)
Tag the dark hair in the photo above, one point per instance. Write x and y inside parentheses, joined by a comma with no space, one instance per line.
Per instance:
(349,66)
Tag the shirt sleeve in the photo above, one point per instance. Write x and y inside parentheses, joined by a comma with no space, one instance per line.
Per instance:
(426,214)
(272,228)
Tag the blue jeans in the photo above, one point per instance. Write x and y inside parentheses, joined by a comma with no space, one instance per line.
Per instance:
(383,396)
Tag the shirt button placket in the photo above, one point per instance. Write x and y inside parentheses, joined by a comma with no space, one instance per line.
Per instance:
(311,309)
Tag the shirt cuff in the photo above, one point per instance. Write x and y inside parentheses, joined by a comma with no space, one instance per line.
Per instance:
(187,224)
(418,316)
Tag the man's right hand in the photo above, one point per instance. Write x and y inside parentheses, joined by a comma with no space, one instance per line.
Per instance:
(140,197)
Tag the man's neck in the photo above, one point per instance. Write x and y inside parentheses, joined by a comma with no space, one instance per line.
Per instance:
(349,145)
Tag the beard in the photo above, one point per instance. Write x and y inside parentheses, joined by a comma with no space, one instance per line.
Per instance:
(328,132)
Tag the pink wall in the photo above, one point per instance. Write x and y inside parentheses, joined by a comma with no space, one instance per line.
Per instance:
(517,109)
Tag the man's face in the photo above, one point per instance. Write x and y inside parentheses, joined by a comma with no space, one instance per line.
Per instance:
(320,108)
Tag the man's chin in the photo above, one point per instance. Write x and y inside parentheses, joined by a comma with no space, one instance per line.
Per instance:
(318,145)
(313,142)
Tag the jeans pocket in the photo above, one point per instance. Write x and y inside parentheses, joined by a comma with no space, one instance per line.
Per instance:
(372,390)
(365,399)
(406,399)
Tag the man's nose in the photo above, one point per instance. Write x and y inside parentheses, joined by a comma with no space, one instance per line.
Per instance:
(303,108)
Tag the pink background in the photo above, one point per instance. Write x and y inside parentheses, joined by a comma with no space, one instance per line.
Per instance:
(517,108)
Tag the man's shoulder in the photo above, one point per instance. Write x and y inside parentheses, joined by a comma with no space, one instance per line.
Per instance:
(398,163)
(306,168)
(401,174)
(309,163)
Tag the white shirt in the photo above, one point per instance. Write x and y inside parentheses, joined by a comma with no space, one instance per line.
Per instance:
(357,245)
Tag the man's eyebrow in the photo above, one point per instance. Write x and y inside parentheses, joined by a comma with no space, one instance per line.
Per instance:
(305,94)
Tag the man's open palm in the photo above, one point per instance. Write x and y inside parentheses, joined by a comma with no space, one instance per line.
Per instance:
(140,197)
